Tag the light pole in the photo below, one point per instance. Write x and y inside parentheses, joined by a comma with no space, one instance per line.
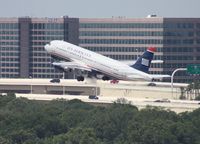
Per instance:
(96,89)
(136,53)
(31,84)
(172,77)
(63,76)
(63,89)
(0,58)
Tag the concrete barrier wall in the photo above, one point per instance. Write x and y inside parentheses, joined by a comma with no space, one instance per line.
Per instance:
(139,93)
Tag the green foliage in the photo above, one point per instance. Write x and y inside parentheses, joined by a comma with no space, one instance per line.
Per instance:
(194,85)
(194,89)
(75,136)
(4,140)
(122,101)
(4,99)
(182,96)
(22,136)
(23,121)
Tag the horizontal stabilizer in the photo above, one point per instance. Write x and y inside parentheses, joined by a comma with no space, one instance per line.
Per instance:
(160,76)
(131,62)
(157,61)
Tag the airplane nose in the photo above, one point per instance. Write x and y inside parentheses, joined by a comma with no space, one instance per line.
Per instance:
(46,47)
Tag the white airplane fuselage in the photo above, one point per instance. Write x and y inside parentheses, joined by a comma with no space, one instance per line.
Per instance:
(95,61)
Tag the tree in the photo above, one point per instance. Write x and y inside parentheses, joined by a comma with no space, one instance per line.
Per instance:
(24,121)
(21,136)
(4,140)
(152,125)
(193,88)
(185,132)
(75,136)
(4,99)
(182,96)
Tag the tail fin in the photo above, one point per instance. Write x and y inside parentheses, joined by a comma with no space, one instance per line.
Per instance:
(143,63)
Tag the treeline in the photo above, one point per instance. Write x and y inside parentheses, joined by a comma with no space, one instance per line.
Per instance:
(23,121)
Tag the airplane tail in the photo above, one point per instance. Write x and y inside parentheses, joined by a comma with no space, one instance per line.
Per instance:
(143,63)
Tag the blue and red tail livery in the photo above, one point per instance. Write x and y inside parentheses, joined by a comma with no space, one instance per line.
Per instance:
(144,62)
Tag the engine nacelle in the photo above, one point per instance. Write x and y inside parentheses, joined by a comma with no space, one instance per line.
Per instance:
(80,78)
(55,58)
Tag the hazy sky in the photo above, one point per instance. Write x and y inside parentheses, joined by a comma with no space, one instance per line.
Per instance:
(99,8)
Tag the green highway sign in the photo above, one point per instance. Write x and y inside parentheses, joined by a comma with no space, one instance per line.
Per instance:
(193,69)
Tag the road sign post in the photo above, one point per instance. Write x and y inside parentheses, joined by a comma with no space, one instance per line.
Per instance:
(172,77)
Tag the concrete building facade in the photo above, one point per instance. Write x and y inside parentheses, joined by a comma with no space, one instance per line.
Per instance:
(181,46)
(122,38)
(177,41)
(22,41)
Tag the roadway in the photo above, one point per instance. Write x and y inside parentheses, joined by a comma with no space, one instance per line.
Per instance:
(88,82)
(174,105)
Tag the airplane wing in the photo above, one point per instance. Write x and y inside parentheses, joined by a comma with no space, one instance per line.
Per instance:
(131,62)
(72,65)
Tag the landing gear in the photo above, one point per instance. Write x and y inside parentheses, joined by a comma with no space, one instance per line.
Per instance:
(80,78)
(105,78)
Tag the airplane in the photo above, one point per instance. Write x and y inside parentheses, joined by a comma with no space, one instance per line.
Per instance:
(99,66)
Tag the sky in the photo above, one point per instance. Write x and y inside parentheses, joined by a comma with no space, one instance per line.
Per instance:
(99,8)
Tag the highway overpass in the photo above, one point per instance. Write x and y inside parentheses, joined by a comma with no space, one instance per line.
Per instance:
(138,93)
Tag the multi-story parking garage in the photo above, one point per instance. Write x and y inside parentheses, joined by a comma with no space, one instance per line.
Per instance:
(22,42)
